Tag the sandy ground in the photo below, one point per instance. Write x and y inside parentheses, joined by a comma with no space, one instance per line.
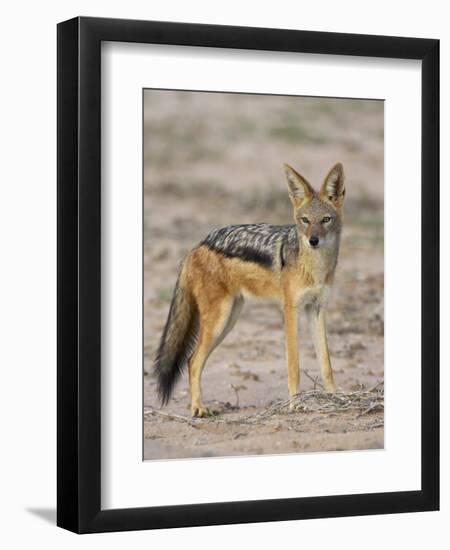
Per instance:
(215,159)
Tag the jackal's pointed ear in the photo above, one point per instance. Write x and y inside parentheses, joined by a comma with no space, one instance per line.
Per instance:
(300,191)
(333,187)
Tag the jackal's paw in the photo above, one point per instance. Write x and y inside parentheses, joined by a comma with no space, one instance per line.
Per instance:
(293,402)
(330,387)
(200,411)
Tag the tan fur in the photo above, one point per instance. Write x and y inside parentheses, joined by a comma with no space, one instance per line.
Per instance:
(217,284)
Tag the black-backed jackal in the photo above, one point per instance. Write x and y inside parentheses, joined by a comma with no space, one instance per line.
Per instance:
(293,264)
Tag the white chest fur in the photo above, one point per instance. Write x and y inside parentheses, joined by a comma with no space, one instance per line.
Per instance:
(316,295)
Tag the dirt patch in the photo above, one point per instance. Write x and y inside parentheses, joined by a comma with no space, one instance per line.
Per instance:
(330,423)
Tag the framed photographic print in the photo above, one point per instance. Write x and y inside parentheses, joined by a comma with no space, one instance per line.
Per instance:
(248,255)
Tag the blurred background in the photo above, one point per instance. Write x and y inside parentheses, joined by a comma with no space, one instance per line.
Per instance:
(213,159)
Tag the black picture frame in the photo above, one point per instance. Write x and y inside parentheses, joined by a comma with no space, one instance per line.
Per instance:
(79,275)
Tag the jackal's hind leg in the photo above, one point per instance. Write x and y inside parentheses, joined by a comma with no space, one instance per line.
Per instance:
(215,323)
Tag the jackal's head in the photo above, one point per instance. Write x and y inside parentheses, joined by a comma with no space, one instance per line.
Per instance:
(318,216)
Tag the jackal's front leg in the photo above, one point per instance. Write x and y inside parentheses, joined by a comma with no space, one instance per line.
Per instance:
(319,336)
(290,329)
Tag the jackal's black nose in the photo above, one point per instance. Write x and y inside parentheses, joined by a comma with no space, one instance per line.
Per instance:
(313,240)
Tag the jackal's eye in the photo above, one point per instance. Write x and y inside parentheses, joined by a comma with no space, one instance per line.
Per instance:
(326,219)
(305,220)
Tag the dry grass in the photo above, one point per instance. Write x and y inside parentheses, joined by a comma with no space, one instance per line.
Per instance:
(319,401)
(315,401)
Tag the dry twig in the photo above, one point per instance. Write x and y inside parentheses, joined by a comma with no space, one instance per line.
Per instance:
(315,380)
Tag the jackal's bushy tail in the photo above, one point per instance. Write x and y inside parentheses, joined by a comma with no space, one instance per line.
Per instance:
(177,341)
